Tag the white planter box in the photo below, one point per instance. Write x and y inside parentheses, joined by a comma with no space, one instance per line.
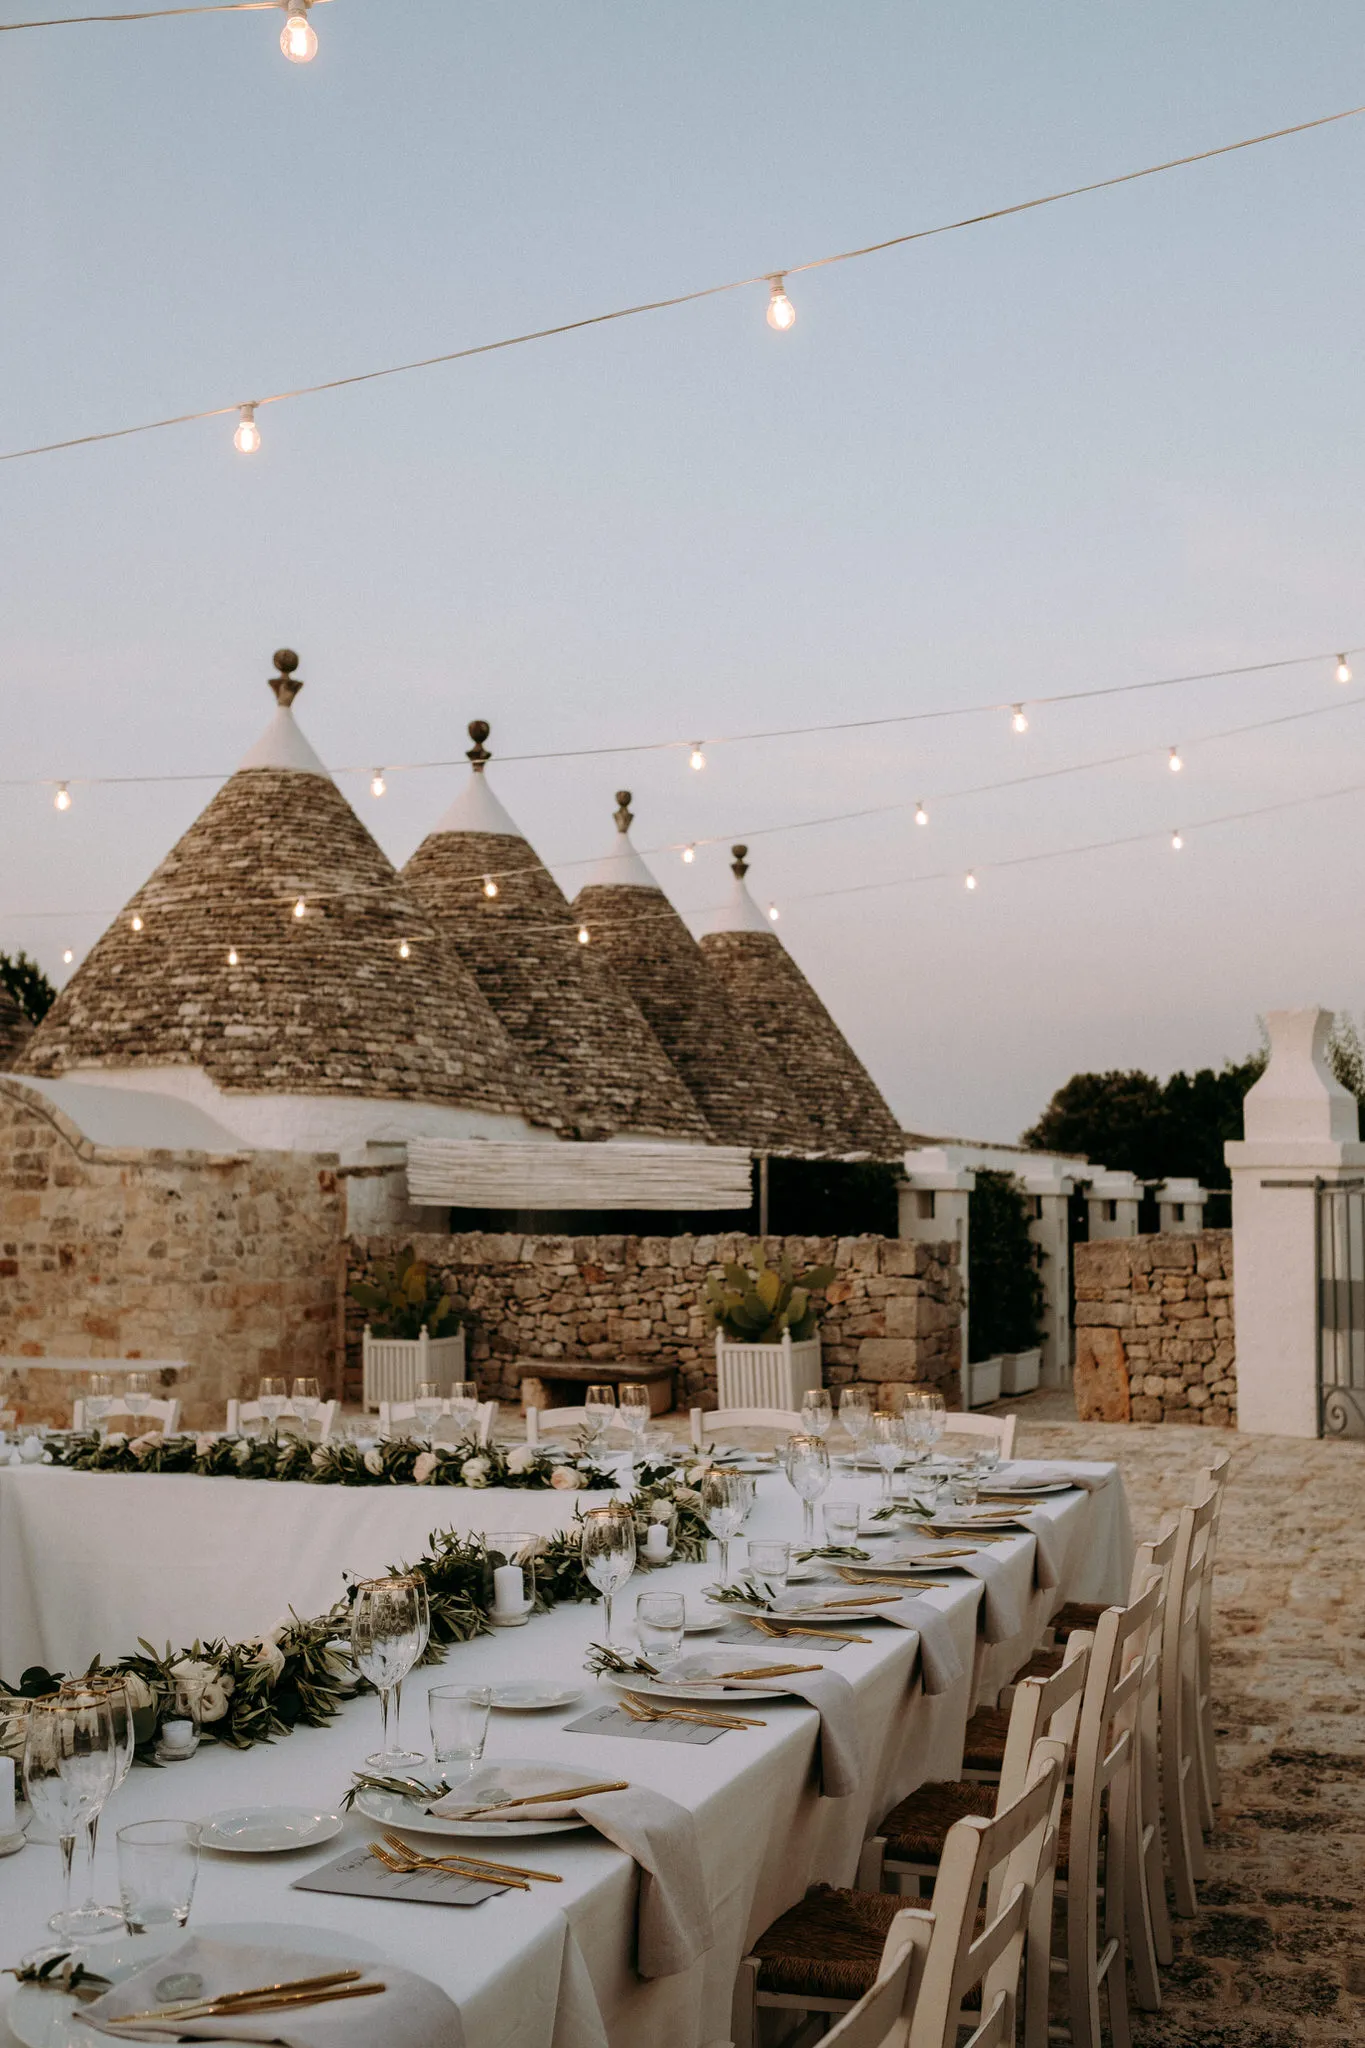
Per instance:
(394,1367)
(1020,1371)
(766,1375)
(983,1382)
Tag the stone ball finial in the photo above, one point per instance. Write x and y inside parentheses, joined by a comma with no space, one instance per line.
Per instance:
(739,865)
(284,684)
(478,755)
(624,814)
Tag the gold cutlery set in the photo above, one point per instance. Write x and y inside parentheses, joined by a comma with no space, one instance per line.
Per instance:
(398,1856)
(637,1708)
(290,1996)
(781,1629)
(503,1807)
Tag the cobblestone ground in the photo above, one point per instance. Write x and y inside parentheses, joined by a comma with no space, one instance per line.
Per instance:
(1277,1955)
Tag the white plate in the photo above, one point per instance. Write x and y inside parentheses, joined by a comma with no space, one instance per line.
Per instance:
(701,1621)
(49,2019)
(1003,1489)
(517,1774)
(698,1664)
(812,1608)
(529,1695)
(268,1830)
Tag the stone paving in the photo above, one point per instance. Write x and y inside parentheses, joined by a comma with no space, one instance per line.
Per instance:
(1277,1955)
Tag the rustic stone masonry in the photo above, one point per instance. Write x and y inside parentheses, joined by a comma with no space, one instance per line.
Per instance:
(894,1310)
(1154,1330)
(231,1262)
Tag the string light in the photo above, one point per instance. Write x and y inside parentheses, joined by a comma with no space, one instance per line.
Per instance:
(1020,719)
(1174,763)
(921,815)
(232,956)
(773,912)
(377,783)
(136,922)
(404,950)
(67,957)
(696,759)
(582,935)
(689,854)
(490,887)
(1176,842)
(300,908)
(62,799)
(781,311)
(1343,669)
(298,37)
(971,879)
(247,438)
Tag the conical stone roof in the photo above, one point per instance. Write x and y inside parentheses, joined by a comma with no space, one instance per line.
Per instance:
(558,1001)
(801,1039)
(15,1029)
(653,955)
(265,950)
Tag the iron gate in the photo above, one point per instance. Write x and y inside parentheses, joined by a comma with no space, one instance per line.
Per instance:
(1341,1307)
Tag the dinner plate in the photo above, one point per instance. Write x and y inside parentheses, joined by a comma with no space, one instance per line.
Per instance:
(511,1775)
(701,1621)
(994,1517)
(1002,1490)
(696,1665)
(51,2019)
(811,1609)
(267,1830)
(529,1695)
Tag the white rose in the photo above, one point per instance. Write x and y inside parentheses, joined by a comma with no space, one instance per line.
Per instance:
(242,1451)
(695,1474)
(660,1511)
(203,1445)
(566,1479)
(374,1463)
(522,1458)
(319,1459)
(138,1691)
(142,1444)
(116,1437)
(426,1464)
(269,1654)
(475,1471)
(686,1497)
(215,1686)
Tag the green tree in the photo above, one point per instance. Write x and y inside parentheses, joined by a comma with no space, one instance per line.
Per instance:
(1137,1124)
(1005,1292)
(29,986)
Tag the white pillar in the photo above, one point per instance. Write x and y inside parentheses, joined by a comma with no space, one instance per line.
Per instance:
(1300,1124)
(934,1206)
(1049,1193)
(1180,1206)
(1113,1200)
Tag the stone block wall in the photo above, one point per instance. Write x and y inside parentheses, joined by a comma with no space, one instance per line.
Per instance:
(894,1310)
(231,1263)
(1154,1330)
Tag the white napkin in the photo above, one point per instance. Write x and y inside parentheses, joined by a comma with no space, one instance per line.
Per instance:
(1002,1613)
(674,1922)
(839,1757)
(411,2013)
(939,1662)
(1047,1565)
(1050,1472)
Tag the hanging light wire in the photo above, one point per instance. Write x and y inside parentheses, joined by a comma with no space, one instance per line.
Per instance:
(144,14)
(763,277)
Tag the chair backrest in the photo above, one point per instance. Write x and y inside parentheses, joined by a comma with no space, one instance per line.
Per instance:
(166,1412)
(239,1412)
(706,1421)
(1001,1427)
(538,1420)
(394,1416)
(1181,1644)
(1044,1707)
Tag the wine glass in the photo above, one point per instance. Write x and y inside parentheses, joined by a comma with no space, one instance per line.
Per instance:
(807,1463)
(428,1405)
(633,1408)
(855,1413)
(724,1504)
(70,1762)
(386,1641)
(915,1424)
(817,1412)
(607,1547)
(138,1393)
(273,1396)
(599,1412)
(415,1579)
(935,1410)
(113,1686)
(887,1441)
(305,1398)
(101,1399)
(464,1402)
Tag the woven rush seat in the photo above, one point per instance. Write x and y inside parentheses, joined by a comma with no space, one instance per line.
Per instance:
(915,1830)
(984,1749)
(829,1946)
(1042,1664)
(1074,1615)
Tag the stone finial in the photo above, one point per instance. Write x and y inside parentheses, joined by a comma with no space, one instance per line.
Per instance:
(478,755)
(1298,1096)
(739,866)
(625,817)
(285,684)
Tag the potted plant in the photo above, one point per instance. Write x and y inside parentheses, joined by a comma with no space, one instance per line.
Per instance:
(767,1331)
(414,1331)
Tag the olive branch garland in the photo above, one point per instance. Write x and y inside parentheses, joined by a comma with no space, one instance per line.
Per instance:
(397,1461)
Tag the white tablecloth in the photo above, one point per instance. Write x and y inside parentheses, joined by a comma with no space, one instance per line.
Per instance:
(552,1968)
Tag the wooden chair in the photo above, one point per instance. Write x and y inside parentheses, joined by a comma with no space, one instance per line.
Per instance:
(1001,1427)
(396,1418)
(538,1420)
(239,1412)
(1183,1702)
(1210,1787)
(705,1421)
(909,1973)
(166,1412)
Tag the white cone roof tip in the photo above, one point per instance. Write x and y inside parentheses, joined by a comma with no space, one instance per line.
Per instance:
(621,869)
(477,809)
(282,745)
(741,914)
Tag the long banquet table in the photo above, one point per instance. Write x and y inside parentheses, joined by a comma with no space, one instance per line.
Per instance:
(551,1968)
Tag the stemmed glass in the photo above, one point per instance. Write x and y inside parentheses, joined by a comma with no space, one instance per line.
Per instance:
(607,1547)
(887,1442)
(725,1501)
(428,1405)
(599,1412)
(807,1462)
(817,1412)
(935,1410)
(101,1399)
(633,1409)
(70,1763)
(412,1756)
(386,1641)
(855,1412)
(138,1393)
(94,1918)
(464,1402)
(915,1424)
(305,1398)
(273,1396)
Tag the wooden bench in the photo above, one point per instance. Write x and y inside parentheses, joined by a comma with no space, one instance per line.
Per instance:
(564,1382)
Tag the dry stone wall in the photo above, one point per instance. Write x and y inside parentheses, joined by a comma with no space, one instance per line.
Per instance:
(230,1263)
(1154,1330)
(894,1307)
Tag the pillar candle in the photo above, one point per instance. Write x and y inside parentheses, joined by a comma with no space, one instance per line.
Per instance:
(509,1589)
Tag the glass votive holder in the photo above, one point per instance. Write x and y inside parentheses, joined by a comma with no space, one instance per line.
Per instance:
(177,1738)
(510,1552)
(158,1864)
(656,1533)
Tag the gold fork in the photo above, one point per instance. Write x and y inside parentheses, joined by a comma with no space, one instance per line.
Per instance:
(822,1635)
(411,1866)
(402,1848)
(644,1710)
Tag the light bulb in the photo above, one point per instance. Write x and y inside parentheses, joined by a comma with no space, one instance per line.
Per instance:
(773,912)
(300,908)
(490,887)
(404,950)
(1176,842)
(781,311)
(1020,719)
(232,956)
(971,880)
(582,935)
(1175,764)
(63,797)
(136,922)
(298,37)
(921,815)
(68,956)
(1343,669)
(696,759)
(377,783)
(689,854)
(247,438)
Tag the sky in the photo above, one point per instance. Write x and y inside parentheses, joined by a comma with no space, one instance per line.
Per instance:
(1104,442)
